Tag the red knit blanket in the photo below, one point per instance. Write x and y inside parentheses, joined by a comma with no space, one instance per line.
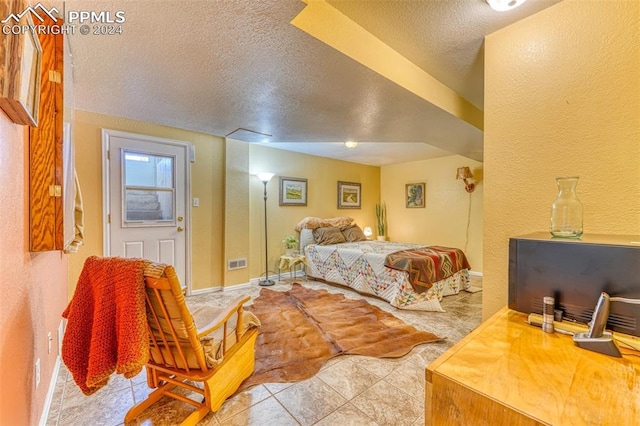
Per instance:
(107,325)
(427,265)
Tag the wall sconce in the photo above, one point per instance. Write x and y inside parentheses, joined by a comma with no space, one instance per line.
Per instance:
(465,174)
(367,232)
(504,5)
(351,144)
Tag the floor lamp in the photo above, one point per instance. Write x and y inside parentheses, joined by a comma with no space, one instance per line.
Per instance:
(265,178)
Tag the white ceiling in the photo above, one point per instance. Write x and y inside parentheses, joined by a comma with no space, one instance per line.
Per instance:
(219,65)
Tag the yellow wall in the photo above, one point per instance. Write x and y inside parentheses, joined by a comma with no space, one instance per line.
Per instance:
(443,220)
(229,222)
(207,183)
(562,98)
(238,240)
(322,176)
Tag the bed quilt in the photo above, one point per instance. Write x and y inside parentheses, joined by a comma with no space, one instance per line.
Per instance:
(426,265)
(361,266)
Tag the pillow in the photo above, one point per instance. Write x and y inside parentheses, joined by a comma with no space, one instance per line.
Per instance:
(353,233)
(340,221)
(328,235)
(311,222)
(306,238)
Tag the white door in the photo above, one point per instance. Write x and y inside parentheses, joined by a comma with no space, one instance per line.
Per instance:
(146,193)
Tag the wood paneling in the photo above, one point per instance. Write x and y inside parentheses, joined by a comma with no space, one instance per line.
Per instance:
(45,151)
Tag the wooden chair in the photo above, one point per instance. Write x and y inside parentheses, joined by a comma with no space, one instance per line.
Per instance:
(219,356)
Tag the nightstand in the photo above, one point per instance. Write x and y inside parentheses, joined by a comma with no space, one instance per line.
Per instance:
(289,262)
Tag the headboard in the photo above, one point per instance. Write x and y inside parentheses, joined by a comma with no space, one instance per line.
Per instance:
(306,238)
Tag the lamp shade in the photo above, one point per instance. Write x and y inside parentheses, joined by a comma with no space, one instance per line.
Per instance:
(367,231)
(464,173)
(265,176)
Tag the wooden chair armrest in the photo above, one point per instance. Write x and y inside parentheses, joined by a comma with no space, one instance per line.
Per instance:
(236,305)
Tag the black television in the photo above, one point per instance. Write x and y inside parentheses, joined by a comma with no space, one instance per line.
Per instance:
(575,272)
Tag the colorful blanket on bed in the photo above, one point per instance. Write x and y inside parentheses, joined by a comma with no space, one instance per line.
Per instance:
(427,265)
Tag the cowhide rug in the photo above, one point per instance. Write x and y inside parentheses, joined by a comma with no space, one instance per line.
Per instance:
(303,328)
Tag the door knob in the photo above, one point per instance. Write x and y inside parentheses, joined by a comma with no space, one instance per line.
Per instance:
(180,218)
(180,229)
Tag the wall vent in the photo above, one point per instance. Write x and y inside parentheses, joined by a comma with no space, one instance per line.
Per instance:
(237,263)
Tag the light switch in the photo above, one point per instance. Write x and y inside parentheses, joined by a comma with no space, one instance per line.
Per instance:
(196,202)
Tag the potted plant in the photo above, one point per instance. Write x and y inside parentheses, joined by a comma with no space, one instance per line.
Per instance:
(381,219)
(290,243)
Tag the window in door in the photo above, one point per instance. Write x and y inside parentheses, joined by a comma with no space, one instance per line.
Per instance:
(149,189)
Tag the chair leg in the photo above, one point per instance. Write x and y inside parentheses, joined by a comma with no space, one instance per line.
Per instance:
(223,383)
(201,411)
(152,378)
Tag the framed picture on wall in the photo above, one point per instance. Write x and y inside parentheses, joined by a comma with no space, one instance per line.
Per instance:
(20,87)
(349,196)
(293,191)
(414,194)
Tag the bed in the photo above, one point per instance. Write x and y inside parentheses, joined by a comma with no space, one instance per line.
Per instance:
(369,267)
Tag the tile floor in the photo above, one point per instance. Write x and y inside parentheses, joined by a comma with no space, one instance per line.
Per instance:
(349,390)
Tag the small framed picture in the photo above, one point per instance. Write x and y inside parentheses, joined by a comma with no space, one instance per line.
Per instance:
(414,193)
(349,195)
(293,191)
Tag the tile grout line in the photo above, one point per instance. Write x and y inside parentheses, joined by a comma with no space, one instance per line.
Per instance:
(348,401)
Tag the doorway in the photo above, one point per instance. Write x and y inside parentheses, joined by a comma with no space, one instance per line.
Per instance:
(145,193)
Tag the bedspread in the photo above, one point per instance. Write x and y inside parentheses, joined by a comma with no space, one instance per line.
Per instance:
(427,265)
(360,265)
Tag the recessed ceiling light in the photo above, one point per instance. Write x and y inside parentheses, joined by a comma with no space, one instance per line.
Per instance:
(350,144)
(504,5)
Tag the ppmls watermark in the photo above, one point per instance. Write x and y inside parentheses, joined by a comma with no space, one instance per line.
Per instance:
(85,22)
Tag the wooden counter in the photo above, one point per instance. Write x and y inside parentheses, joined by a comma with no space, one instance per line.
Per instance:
(507,372)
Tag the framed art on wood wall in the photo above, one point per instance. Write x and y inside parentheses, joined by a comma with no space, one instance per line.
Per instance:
(414,193)
(20,75)
(293,191)
(349,195)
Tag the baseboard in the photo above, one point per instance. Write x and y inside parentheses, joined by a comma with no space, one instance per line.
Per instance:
(205,290)
(252,282)
(475,273)
(283,275)
(50,392)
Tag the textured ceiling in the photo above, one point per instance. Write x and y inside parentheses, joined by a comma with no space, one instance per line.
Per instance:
(216,66)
